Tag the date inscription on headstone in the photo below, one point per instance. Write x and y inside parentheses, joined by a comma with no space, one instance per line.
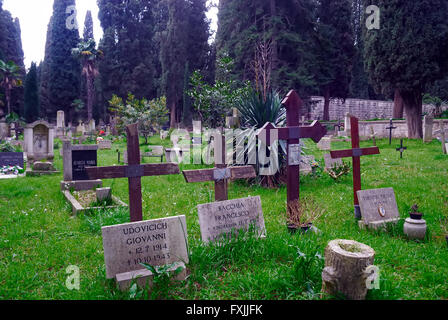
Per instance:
(154,242)
(219,219)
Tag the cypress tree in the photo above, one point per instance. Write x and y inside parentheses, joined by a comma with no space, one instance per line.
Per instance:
(11,50)
(64,76)
(408,52)
(31,102)
(88,26)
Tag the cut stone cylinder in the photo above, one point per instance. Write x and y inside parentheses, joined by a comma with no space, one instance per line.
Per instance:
(345,271)
(415,229)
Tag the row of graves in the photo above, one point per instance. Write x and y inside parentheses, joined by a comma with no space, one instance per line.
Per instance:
(164,242)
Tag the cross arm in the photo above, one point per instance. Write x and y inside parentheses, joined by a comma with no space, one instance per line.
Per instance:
(354,152)
(316,131)
(209,174)
(132,171)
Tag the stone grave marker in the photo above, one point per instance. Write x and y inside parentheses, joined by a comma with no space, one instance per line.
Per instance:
(330,163)
(324,144)
(11,159)
(428,123)
(156,242)
(75,160)
(305,164)
(220,219)
(105,144)
(39,141)
(378,207)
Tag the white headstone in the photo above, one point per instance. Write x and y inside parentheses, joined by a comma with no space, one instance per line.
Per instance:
(428,123)
(330,162)
(155,242)
(219,219)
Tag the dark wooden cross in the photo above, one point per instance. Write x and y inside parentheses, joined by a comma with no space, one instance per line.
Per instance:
(134,171)
(339,125)
(401,149)
(220,174)
(292,133)
(356,153)
(390,128)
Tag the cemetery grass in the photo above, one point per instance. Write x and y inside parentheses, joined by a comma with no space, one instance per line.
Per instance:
(40,238)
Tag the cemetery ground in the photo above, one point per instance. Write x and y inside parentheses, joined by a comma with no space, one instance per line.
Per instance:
(40,238)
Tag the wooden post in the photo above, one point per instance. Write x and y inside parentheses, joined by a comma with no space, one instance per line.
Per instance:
(134,171)
(355,153)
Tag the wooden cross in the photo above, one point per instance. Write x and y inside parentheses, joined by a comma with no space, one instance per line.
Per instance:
(390,128)
(220,174)
(134,171)
(401,149)
(292,133)
(356,152)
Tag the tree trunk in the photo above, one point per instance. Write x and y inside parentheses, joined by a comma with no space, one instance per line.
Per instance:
(173,115)
(90,91)
(326,104)
(398,105)
(8,100)
(274,40)
(345,272)
(412,101)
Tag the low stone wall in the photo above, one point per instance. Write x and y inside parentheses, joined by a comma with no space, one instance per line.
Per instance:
(362,109)
(379,127)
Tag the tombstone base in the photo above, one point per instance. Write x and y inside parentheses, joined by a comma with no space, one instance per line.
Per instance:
(144,277)
(77,208)
(81,185)
(375,225)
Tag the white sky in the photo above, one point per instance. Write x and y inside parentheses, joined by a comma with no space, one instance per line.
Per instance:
(34,16)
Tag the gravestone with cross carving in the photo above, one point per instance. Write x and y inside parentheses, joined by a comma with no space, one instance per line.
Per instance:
(134,171)
(356,153)
(221,173)
(292,133)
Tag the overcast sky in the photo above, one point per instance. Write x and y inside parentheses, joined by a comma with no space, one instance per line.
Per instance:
(34,16)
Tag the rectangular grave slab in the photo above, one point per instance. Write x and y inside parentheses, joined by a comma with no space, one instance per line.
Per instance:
(155,242)
(378,207)
(330,162)
(105,144)
(11,159)
(217,219)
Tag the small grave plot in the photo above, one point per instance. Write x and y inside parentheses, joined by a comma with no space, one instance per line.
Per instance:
(91,200)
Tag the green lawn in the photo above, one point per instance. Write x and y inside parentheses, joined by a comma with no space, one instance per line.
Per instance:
(39,238)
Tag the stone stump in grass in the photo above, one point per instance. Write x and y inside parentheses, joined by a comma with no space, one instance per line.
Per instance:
(346,269)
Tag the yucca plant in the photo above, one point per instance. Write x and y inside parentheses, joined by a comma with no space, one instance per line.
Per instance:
(256,111)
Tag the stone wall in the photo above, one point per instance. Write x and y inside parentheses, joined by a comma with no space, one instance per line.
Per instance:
(379,127)
(362,109)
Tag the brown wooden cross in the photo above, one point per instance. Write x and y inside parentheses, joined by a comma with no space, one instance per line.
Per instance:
(292,133)
(220,174)
(134,171)
(356,153)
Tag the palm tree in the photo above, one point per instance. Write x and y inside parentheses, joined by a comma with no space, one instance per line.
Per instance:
(88,54)
(10,78)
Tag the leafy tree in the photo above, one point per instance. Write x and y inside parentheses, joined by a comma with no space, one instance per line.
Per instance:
(88,54)
(31,95)
(9,79)
(334,51)
(408,52)
(211,103)
(150,115)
